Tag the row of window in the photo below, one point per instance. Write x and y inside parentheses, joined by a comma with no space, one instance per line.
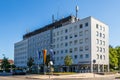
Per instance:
(81,56)
(100,42)
(100,56)
(70,43)
(71,50)
(100,34)
(70,29)
(100,27)
(100,49)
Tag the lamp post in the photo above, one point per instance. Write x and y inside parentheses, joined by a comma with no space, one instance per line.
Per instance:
(94,61)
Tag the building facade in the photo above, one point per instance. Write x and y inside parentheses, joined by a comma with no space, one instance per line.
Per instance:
(86,41)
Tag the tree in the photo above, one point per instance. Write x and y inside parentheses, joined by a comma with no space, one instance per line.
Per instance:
(30,63)
(68,61)
(47,59)
(5,64)
(113,58)
(118,54)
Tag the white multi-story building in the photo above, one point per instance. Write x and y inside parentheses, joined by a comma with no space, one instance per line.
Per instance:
(85,40)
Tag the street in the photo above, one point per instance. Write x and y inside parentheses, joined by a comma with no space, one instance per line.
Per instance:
(26,78)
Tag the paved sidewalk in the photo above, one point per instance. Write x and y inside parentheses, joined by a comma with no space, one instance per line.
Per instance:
(74,76)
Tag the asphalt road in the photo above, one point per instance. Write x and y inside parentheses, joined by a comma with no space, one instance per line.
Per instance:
(24,78)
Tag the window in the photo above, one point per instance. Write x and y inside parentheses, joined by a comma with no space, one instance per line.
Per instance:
(81,48)
(54,34)
(66,44)
(70,36)
(100,42)
(86,48)
(104,57)
(57,33)
(61,51)
(103,35)
(70,50)
(62,38)
(61,44)
(75,49)
(81,56)
(97,33)
(66,51)
(86,55)
(66,30)
(81,41)
(97,26)
(100,56)
(103,50)
(75,56)
(97,41)
(70,43)
(86,40)
(100,34)
(75,34)
(86,32)
(81,26)
(100,49)
(81,33)
(62,58)
(57,45)
(70,29)
(61,31)
(66,37)
(104,43)
(97,48)
(75,42)
(97,56)
(86,24)
(57,58)
(75,27)
(57,52)
(58,39)
(103,28)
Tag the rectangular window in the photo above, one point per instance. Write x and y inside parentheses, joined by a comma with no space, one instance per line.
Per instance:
(81,48)
(75,27)
(97,41)
(97,26)
(66,30)
(97,48)
(61,51)
(86,48)
(75,49)
(66,51)
(81,33)
(70,36)
(86,40)
(104,43)
(57,33)
(75,42)
(66,37)
(86,55)
(75,56)
(75,34)
(81,56)
(70,50)
(66,44)
(86,24)
(81,41)
(97,33)
(103,35)
(70,43)
(86,32)
(81,26)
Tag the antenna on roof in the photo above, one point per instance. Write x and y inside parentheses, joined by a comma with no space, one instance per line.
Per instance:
(77,9)
(53,19)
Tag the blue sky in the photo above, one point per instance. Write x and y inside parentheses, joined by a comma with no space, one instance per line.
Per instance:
(17,16)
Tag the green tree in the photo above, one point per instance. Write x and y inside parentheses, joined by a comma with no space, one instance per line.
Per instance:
(30,63)
(113,58)
(5,64)
(68,61)
(118,54)
(47,59)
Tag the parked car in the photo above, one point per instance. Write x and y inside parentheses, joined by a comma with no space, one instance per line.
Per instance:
(18,72)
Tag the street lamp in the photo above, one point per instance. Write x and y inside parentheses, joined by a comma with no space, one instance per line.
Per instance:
(94,61)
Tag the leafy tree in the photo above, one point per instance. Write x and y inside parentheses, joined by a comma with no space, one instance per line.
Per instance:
(5,64)
(118,54)
(30,63)
(68,61)
(113,58)
(47,59)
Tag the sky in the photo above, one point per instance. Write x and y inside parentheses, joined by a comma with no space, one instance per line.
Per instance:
(20,16)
